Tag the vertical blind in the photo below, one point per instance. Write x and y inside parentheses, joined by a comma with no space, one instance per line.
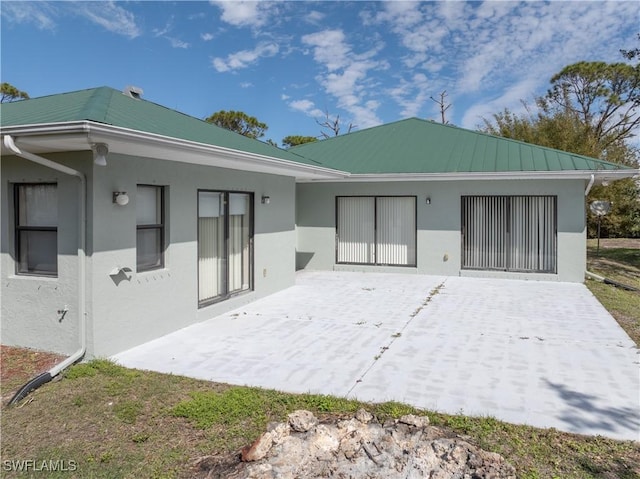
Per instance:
(509,233)
(376,230)
(224,244)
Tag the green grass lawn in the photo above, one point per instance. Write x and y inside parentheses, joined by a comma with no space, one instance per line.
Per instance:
(114,422)
(618,260)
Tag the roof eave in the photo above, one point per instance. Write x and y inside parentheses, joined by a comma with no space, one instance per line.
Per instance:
(80,135)
(599,176)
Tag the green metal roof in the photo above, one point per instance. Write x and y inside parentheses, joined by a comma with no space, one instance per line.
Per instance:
(421,146)
(108,106)
(407,146)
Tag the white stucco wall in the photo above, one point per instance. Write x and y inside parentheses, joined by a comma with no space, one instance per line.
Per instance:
(438,224)
(149,304)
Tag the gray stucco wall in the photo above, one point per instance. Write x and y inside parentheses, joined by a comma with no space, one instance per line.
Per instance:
(154,303)
(438,224)
(122,314)
(30,304)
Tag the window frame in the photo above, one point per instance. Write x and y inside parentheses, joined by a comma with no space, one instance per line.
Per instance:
(251,270)
(375,230)
(18,246)
(156,226)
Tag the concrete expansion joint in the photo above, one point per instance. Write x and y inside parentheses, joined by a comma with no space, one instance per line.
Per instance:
(434,292)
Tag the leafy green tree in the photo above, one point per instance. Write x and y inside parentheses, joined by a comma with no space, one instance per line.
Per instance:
(10,93)
(591,110)
(604,96)
(295,140)
(239,122)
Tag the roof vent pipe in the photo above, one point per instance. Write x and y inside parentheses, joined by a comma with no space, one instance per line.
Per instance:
(133,92)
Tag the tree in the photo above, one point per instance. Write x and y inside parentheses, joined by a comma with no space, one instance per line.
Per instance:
(591,110)
(333,125)
(295,140)
(239,122)
(10,93)
(631,54)
(443,106)
(604,96)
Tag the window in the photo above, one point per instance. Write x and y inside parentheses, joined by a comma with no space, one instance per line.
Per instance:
(378,230)
(36,221)
(225,245)
(149,227)
(509,233)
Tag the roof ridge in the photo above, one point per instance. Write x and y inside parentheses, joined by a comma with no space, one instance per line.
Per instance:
(96,108)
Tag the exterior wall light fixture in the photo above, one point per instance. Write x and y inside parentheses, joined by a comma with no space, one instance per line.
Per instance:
(265,200)
(120,198)
(428,200)
(100,152)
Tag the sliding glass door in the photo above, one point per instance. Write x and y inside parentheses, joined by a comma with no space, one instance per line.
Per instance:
(510,233)
(378,230)
(225,237)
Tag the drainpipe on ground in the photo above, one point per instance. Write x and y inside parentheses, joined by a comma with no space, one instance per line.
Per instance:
(611,282)
(82,319)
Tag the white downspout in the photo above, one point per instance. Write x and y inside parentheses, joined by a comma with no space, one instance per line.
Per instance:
(82,219)
(590,184)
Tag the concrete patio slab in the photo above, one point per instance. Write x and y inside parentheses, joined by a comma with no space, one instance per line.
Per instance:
(539,353)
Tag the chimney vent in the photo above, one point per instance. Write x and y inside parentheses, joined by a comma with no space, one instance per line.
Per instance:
(133,92)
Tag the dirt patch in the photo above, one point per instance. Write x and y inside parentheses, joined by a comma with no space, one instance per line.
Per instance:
(18,365)
(610,243)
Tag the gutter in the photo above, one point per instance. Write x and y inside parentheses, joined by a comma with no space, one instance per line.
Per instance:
(98,132)
(611,175)
(82,313)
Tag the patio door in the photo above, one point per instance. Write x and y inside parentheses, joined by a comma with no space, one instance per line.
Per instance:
(377,230)
(225,239)
(510,233)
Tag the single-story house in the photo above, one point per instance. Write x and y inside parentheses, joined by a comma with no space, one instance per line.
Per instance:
(123,220)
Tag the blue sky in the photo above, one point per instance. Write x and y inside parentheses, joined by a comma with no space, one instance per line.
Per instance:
(288,62)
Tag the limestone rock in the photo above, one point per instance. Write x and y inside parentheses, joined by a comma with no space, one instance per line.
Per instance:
(416,421)
(302,421)
(258,449)
(361,447)
(363,416)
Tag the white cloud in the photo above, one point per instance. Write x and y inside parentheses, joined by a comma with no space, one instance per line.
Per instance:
(110,16)
(411,94)
(177,43)
(245,58)
(493,51)
(240,13)
(314,17)
(346,75)
(329,48)
(511,98)
(307,107)
(41,14)
(44,15)
(207,36)
(246,84)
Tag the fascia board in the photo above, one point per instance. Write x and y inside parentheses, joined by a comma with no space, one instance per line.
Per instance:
(97,133)
(600,175)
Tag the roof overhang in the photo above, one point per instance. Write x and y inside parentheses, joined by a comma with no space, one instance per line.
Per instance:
(81,135)
(599,176)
